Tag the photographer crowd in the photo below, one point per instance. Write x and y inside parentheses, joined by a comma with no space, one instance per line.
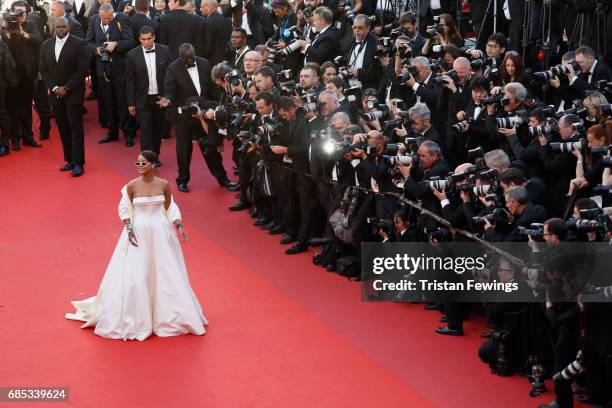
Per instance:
(363,121)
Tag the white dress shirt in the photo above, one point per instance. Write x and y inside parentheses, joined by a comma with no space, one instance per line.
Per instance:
(59,44)
(77,6)
(151,70)
(195,78)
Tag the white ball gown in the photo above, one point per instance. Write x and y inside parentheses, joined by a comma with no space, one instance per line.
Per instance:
(145,289)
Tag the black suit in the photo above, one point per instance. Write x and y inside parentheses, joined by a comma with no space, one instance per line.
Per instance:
(324,47)
(68,72)
(213,36)
(81,16)
(178,27)
(149,114)
(138,20)
(255,12)
(111,75)
(76,27)
(588,81)
(369,73)
(178,89)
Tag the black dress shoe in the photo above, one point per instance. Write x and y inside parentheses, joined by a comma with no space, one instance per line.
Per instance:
(182,187)
(448,332)
(129,140)
(77,170)
(67,167)
(239,206)
(553,404)
(238,196)
(260,221)
(443,319)
(253,212)
(486,335)
(276,230)
(235,187)
(15,145)
(4,150)
(267,226)
(287,239)
(108,138)
(227,184)
(44,134)
(29,141)
(296,249)
(330,267)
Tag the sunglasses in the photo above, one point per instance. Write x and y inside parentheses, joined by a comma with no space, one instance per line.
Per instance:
(141,163)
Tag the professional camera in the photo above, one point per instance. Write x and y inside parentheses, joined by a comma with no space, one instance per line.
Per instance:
(190,109)
(433,30)
(12,23)
(480,63)
(540,130)
(381,112)
(579,111)
(403,160)
(555,72)
(572,370)
(308,11)
(440,234)
(452,74)
(607,162)
(349,13)
(476,155)
(501,365)
(384,224)
(436,183)
(496,99)
(267,129)
(104,55)
(567,147)
(233,77)
(460,127)
(340,62)
(510,121)
(602,224)
(535,230)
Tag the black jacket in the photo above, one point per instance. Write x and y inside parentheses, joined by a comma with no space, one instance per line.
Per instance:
(178,86)
(324,47)
(179,27)
(120,31)
(533,213)
(369,74)
(70,71)
(297,143)
(138,21)
(27,62)
(585,81)
(213,37)
(137,77)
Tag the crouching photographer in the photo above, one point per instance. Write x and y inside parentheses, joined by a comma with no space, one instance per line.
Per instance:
(402,229)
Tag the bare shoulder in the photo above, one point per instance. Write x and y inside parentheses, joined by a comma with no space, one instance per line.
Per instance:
(162,182)
(132,184)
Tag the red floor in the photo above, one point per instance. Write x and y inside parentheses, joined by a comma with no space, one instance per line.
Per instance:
(282,331)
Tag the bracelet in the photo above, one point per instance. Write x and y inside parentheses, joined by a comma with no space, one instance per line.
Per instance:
(579,162)
(179,225)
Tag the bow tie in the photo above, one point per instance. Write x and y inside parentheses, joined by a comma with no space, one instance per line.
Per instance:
(151,50)
(477,105)
(190,65)
(359,43)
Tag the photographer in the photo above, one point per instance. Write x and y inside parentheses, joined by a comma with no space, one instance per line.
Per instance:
(422,87)
(431,164)
(558,91)
(591,70)
(527,150)
(363,69)
(310,79)
(456,85)
(264,79)
(404,230)
(8,76)
(409,29)
(594,103)
(421,128)
(511,120)
(536,189)
(294,136)
(597,140)
(325,44)
(559,166)
(470,132)
(522,213)
(443,33)
(495,48)
(110,37)
(23,40)
(452,209)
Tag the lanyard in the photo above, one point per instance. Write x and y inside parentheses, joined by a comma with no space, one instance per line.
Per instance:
(354,55)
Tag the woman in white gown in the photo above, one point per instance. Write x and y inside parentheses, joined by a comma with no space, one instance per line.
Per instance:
(145,288)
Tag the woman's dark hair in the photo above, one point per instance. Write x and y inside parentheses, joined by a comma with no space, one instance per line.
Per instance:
(451,49)
(452,27)
(150,156)
(518,68)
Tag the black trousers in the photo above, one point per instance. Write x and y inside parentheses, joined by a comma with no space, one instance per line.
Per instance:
(306,193)
(151,119)
(69,120)
(20,108)
(5,124)
(115,102)
(186,128)
(42,105)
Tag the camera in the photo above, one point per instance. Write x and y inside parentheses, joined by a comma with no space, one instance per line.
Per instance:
(233,77)
(436,183)
(440,234)
(539,130)
(433,30)
(535,230)
(307,11)
(581,112)
(509,122)
(403,160)
(567,147)
(479,63)
(572,370)
(190,109)
(12,24)
(378,224)
(452,74)
(104,55)
(555,72)
(348,10)
(460,127)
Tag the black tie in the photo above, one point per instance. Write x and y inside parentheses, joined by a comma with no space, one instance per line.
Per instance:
(190,65)
(148,51)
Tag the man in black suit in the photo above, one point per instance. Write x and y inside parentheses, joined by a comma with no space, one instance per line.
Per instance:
(64,61)
(110,35)
(80,11)
(8,76)
(179,26)
(364,70)
(238,48)
(186,78)
(422,87)
(23,40)
(214,34)
(591,70)
(142,16)
(252,25)
(325,45)
(58,9)
(422,129)
(145,76)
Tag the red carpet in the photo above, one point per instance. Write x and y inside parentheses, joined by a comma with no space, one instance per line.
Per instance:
(283,333)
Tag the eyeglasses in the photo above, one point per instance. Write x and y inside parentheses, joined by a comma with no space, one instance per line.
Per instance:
(141,163)
(494,45)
